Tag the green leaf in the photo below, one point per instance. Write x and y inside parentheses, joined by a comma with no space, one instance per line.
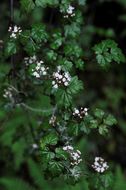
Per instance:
(110,120)
(27,5)
(50,139)
(93,124)
(31,47)
(38,33)
(75,173)
(75,128)
(63,98)
(72,50)
(51,55)
(67,65)
(72,30)
(75,85)
(85,128)
(107,52)
(47,156)
(99,113)
(103,130)
(57,40)
(55,167)
(79,64)
(11,48)
(25,36)
(44,3)
(41,3)
(60,153)
(104,181)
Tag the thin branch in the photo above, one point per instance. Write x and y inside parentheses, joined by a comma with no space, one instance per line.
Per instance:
(52,110)
(37,110)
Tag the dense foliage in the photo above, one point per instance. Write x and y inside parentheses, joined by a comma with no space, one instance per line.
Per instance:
(49,123)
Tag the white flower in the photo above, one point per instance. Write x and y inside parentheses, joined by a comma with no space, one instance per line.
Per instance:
(61,78)
(76,111)
(104,164)
(8,93)
(59,68)
(85,109)
(36,74)
(97,159)
(56,74)
(42,68)
(52,120)
(66,75)
(70,12)
(15,31)
(80,113)
(66,84)
(30,60)
(65,148)
(68,148)
(13,35)
(55,86)
(70,9)
(100,165)
(64,80)
(44,73)
(65,16)
(39,70)
(9,29)
(78,151)
(75,155)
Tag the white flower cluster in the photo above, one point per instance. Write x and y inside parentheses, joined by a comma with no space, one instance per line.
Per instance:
(80,113)
(75,155)
(39,70)
(52,120)
(70,12)
(60,78)
(30,60)
(8,93)
(68,148)
(15,31)
(100,165)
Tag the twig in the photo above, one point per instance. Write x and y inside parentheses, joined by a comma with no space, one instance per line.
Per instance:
(52,110)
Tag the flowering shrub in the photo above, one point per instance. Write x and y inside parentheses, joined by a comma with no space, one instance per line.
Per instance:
(41,115)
